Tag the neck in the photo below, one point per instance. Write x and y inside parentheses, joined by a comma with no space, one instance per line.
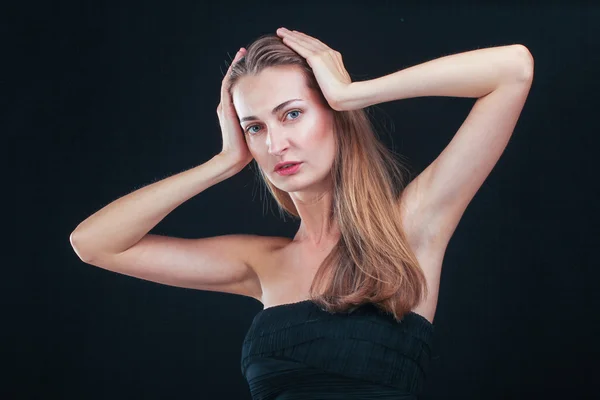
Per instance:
(317,226)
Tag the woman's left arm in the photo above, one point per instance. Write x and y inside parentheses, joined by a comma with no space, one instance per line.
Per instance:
(500,78)
(473,73)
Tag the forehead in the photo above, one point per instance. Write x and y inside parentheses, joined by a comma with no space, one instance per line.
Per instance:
(258,94)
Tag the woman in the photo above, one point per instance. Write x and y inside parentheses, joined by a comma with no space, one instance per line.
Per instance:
(350,300)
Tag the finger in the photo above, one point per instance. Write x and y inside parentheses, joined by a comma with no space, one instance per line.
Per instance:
(298,47)
(225,97)
(308,40)
(236,58)
(241,52)
(308,44)
(314,41)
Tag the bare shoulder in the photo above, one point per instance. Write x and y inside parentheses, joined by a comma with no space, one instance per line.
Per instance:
(262,251)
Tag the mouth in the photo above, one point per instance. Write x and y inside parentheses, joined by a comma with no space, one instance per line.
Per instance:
(285,164)
(289,169)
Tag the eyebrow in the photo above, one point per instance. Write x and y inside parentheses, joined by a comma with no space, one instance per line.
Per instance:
(275,110)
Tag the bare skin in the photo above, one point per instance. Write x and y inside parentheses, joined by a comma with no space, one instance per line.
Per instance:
(301,131)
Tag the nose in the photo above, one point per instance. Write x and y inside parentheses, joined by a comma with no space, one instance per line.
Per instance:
(277,142)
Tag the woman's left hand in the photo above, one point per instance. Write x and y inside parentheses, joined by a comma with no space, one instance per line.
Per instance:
(326,64)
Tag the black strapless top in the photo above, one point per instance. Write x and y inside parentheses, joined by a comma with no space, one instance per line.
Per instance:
(299,351)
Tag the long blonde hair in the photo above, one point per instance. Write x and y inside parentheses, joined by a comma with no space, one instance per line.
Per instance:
(372,261)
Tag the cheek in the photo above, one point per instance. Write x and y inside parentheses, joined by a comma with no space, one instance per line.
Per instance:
(324,147)
(258,153)
(252,145)
(324,133)
(331,148)
(320,130)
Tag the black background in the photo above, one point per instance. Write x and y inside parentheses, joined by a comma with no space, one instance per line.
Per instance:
(103,98)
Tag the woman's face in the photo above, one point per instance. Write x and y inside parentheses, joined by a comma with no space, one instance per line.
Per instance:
(279,130)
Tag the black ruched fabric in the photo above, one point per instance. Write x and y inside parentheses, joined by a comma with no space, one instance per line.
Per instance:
(299,351)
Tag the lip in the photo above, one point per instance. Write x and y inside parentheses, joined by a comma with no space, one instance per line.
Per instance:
(290,170)
(280,164)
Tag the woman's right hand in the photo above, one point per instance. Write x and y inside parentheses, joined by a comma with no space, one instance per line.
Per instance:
(235,148)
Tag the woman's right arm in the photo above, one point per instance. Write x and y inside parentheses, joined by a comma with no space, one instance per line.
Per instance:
(116,238)
(122,223)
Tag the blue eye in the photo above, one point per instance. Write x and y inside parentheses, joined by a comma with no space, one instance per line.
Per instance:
(248,129)
(295,111)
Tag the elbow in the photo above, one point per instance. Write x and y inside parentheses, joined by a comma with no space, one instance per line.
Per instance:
(76,245)
(525,62)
